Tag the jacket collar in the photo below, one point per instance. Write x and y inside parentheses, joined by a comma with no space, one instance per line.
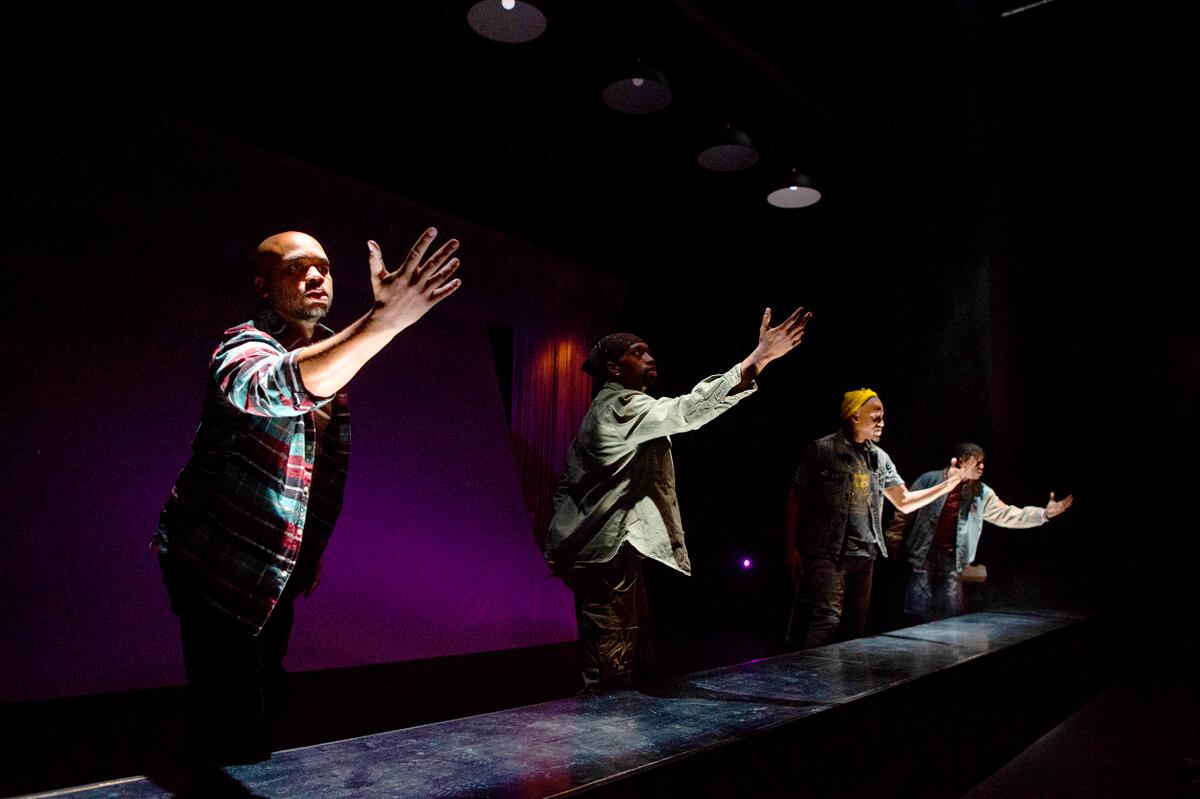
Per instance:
(868,446)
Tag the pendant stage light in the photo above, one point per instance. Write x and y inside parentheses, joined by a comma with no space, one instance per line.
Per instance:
(508,21)
(642,90)
(732,151)
(798,193)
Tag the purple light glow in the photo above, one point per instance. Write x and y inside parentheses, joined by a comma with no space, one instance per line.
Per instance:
(746,563)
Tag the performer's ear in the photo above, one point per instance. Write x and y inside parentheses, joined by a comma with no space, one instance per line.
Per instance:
(260,286)
(613,369)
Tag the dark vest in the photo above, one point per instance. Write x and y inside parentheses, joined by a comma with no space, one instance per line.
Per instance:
(825,503)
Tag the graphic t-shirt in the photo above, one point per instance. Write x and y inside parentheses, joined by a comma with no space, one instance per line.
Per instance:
(860,540)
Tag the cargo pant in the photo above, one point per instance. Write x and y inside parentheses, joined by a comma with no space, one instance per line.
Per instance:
(612,615)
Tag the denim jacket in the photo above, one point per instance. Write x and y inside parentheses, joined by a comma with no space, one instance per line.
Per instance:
(823,483)
(985,506)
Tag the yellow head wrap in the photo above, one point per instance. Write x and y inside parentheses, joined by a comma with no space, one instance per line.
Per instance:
(853,400)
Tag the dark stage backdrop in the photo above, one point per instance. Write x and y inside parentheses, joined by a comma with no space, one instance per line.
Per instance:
(126,261)
(1013,264)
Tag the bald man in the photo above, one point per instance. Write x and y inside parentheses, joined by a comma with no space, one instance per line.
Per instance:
(835,519)
(242,534)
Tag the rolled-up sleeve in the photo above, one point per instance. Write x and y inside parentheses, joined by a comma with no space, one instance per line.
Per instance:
(887,471)
(257,377)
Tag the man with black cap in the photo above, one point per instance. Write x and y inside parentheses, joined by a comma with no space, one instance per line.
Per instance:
(835,519)
(615,504)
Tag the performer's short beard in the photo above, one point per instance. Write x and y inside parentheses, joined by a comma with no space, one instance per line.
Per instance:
(310,314)
(294,307)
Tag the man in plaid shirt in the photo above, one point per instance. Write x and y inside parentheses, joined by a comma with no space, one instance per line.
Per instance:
(242,534)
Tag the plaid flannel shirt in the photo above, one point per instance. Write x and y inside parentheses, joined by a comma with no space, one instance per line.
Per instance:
(255,486)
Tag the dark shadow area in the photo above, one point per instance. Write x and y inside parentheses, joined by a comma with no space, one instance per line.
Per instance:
(1005,250)
(883,729)
(1140,737)
(87,739)
(934,737)
(501,339)
(201,783)
(1135,739)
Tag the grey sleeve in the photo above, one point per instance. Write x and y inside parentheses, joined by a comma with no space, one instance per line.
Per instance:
(887,471)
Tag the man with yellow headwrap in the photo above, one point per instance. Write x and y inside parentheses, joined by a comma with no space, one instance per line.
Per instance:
(835,519)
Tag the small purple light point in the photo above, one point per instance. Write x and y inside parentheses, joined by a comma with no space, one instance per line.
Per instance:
(746,563)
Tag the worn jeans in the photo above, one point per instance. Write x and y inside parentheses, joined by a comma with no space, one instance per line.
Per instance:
(934,591)
(612,614)
(837,597)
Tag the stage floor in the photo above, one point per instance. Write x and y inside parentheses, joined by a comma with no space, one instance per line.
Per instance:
(570,745)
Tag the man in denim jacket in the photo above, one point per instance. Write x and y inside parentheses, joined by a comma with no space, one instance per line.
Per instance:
(615,504)
(943,537)
(835,519)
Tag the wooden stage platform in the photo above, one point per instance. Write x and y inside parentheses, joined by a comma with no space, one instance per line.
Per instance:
(921,711)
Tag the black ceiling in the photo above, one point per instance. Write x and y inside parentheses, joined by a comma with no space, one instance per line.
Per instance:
(900,110)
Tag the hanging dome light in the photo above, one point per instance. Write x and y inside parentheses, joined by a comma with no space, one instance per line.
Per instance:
(508,21)
(642,90)
(799,192)
(733,151)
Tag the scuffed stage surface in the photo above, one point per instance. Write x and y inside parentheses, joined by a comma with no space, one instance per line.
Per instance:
(569,745)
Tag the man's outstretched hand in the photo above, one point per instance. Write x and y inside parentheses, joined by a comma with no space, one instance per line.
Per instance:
(401,298)
(1056,507)
(773,342)
(405,295)
(968,469)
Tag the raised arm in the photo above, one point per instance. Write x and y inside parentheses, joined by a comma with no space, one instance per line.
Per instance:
(773,342)
(401,298)
(907,501)
(1000,513)
(638,417)
(256,377)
